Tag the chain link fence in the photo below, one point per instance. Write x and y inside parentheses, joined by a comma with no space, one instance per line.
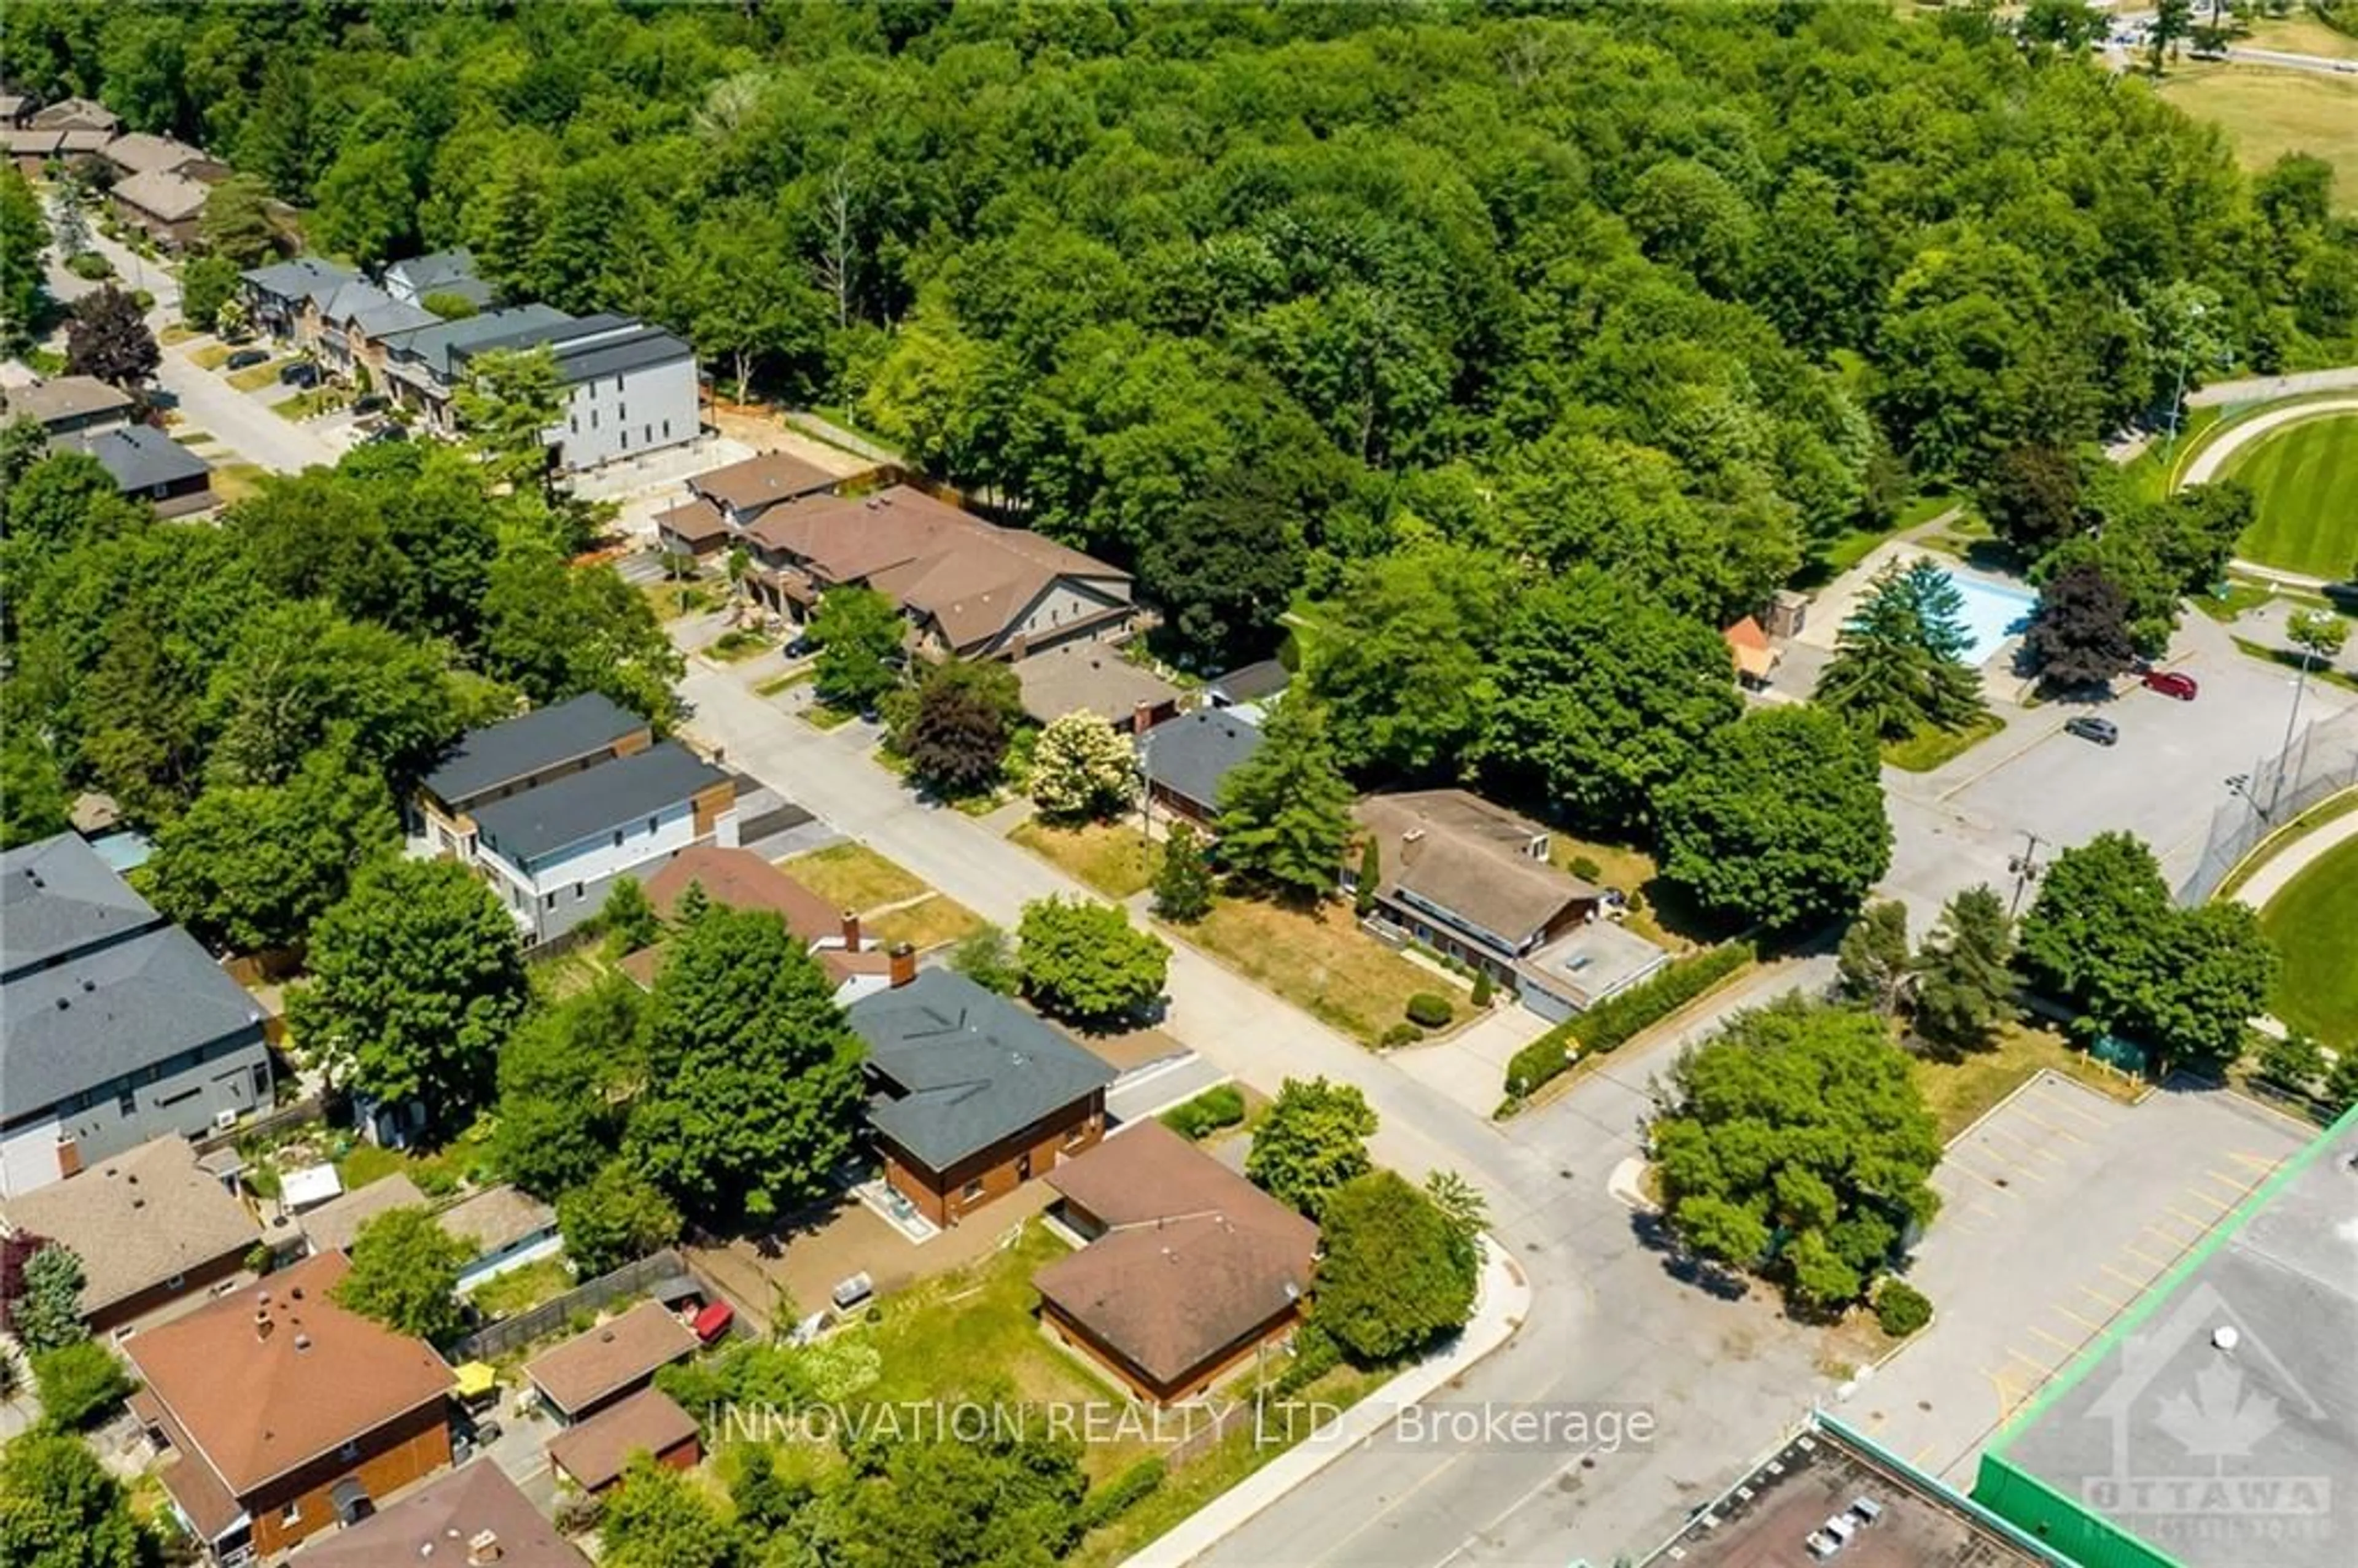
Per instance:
(2322,761)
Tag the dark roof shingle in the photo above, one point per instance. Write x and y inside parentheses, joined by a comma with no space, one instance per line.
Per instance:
(545,738)
(57,897)
(1193,753)
(111,1011)
(964,1067)
(581,806)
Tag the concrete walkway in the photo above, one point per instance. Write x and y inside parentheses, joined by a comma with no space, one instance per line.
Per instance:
(1503,1298)
(2268,388)
(2297,858)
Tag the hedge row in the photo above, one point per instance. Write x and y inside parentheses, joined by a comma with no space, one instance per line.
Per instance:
(1612,1022)
(1110,1500)
(1222,1104)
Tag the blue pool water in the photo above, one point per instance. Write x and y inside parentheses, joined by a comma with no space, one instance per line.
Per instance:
(1993,613)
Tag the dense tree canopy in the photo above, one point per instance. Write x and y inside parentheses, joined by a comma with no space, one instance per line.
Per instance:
(61,1509)
(405,1273)
(1398,1273)
(1797,1141)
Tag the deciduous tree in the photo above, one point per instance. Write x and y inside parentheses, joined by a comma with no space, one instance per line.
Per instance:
(47,1313)
(405,1274)
(207,283)
(857,632)
(957,731)
(1781,821)
(658,1519)
(1225,568)
(752,1076)
(507,404)
(1602,697)
(60,1509)
(1082,771)
(24,235)
(417,978)
(108,338)
(565,1077)
(1313,1139)
(1084,960)
(1398,1272)
(1799,1125)
(616,1217)
(80,1384)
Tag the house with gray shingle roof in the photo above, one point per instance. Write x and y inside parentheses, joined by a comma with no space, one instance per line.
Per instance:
(148,465)
(1186,761)
(281,294)
(972,1096)
(115,1027)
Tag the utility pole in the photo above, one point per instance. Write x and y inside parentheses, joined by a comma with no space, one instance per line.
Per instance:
(2025,869)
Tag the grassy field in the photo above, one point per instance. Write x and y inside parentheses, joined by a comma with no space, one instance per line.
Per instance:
(934,921)
(1931,746)
(2299,34)
(304,404)
(2304,475)
(737,643)
(1959,1090)
(1115,859)
(233,482)
(2267,112)
(1320,962)
(854,876)
(211,356)
(668,599)
(520,1290)
(2314,924)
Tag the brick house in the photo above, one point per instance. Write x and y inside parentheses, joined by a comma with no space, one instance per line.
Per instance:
(282,1414)
(1190,1271)
(972,1096)
(594,1454)
(473,1517)
(725,502)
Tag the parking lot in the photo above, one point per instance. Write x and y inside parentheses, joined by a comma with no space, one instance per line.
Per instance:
(2163,780)
(2057,1210)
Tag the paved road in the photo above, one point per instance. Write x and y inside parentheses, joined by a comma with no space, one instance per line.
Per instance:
(2268,388)
(244,424)
(1609,1324)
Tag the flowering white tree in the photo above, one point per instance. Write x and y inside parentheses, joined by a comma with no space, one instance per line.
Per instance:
(1081,770)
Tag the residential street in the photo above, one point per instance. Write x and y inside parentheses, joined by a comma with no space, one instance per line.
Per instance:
(243,421)
(1609,1324)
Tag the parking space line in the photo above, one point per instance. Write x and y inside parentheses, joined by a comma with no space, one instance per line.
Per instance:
(2195,1194)
(2043,1369)
(2159,1263)
(2257,1161)
(2046,1097)
(2029,1147)
(2241,1188)
(2100,1299)
(1963,1169)
(2091,1325)
(2057,1340)
(2050,1127)
(2134,1280)
(2158,1228)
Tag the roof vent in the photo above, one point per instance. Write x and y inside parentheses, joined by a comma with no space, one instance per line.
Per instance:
(138,1203)
(89,986)
(482,1547)
(606,1337)
(297,1292)
(2224,1337)
(302,1342)
(63,1004)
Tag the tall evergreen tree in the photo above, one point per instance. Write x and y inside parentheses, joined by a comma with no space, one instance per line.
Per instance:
(1285,812)
(1965,991)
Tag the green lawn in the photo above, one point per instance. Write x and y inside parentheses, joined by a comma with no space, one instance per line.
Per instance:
(1931,746)
(2314,924)
(1114,858)
(2304,475)
(253,378)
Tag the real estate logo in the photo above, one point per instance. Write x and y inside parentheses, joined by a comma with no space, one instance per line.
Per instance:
(2210,1436)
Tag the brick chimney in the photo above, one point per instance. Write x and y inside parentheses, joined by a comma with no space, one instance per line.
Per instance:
(903,966)
(482,1548)
(1141,718)
(851,931)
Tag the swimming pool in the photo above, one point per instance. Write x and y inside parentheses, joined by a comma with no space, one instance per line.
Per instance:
(1993,613)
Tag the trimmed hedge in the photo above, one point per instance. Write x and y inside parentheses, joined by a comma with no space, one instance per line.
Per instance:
(1222,1104)
(1429,1011)
(1104,1504)
(1612,1022)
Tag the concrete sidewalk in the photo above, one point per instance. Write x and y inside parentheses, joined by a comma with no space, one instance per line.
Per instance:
(2295,858)
(1500,1306)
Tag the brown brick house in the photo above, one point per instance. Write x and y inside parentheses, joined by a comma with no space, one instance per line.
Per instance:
(1190,1270)
(594,1454)
(148,1226)
(724,502)
(286,1415)
(972,1096)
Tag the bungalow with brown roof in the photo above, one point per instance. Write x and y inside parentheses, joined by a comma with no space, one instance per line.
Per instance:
(335,1224)
(967,587)
(618,1357)
(76,114)
(1190,1271)
(166,203)
(1473,880)
(282,1414)
(472,1517)
(593,1455)
(138,152)
(1093,677)
(725,502)
(150,1226)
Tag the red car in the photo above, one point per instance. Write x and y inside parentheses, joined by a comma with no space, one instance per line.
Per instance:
(2172,682)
